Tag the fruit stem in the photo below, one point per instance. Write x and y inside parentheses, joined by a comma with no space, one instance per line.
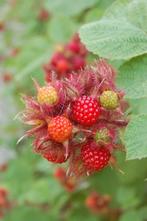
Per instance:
(119,123)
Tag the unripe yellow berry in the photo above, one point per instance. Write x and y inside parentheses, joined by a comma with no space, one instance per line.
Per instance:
(47,95)
(109,100)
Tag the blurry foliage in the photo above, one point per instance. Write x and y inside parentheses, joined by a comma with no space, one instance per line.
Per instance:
(35,194)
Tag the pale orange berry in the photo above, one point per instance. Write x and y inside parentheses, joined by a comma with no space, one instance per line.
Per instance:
(47,95)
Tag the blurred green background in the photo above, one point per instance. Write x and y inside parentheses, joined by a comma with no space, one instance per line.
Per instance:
(29,33)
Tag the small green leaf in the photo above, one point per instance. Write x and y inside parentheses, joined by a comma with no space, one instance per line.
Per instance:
(135,138)
(132,77)
(114,39)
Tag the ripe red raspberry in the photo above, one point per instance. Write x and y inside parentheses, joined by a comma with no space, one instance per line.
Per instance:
(94,157)
(62,66)
(56,154)
(60,129)
(86,110)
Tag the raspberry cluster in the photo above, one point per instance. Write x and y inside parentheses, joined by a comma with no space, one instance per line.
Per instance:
(76,118)
(67,58)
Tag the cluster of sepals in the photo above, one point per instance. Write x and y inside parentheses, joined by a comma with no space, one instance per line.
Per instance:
(89,142)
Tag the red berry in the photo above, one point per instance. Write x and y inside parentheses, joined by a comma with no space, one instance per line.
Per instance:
(78,62)
(86,110)
(94,157)
(59,129)
(56,154)
(55,58)
(62,66)
(74,47)
(60,174)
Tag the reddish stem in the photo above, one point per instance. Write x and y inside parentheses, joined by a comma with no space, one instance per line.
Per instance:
(119,123)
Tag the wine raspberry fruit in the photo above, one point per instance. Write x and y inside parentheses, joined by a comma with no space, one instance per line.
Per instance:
(109,100)
(94,157)
(62,66)
(86,110)
(47,95)
(60,129)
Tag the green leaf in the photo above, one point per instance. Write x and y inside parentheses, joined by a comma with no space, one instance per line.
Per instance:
(69,8)
(114,39)
(20,173)
(44,190)
(131,215)
(135,138)
(98,11)
(138,106)
(135,215)
(132,77)
(121,34)
(127,198)
(130,167)
(143,212)
(61,29)
(133,11)
(80,214)
(24,212)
